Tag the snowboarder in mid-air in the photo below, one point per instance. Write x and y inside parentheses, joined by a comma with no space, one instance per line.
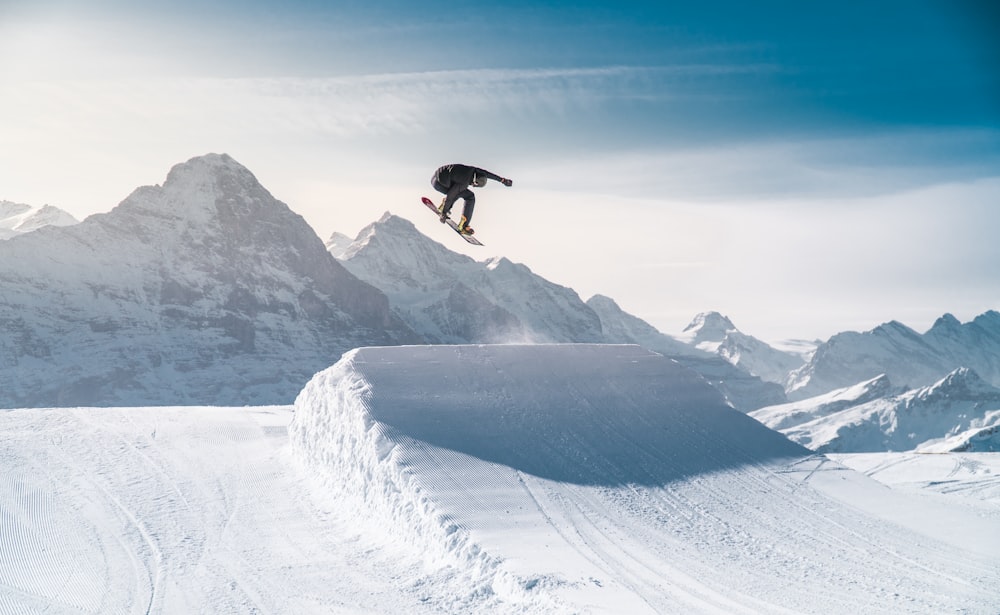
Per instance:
(453,181)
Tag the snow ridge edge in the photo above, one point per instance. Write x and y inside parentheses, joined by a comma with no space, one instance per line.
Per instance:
(357,463)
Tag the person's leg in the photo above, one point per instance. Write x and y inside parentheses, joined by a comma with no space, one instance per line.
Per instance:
(438,183)
(456,192)
(470,205)
(443,190)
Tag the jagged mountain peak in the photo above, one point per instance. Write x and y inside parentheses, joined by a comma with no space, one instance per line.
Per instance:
(603,301)
(211,174)
(946,321)
(17,218)
(393,243)
(894,328)
(503,265)
(714,333)
(10,208)
(394,228)
(710,325)
(962,383)
(707,331)
(46,215)
(388,224)
(989,320)
(212,187)
(214,204)
(337,244)
(206,164)
(390,219)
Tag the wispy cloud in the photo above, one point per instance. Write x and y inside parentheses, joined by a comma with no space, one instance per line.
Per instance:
(342,106)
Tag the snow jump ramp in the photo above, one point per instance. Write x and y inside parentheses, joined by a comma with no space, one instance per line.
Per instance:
(603,478)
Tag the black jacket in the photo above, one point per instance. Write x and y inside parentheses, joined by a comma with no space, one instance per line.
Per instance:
(453,175)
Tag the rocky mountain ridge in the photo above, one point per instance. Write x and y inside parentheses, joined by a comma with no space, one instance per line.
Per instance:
(204,290)
(908,358)
(960,412)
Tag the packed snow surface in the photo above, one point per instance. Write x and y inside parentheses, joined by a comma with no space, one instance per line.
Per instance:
(597,478)
(177,510)
(478,479)
(974,476)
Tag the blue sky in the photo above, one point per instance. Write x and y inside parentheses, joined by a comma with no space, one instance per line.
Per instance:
(805,168)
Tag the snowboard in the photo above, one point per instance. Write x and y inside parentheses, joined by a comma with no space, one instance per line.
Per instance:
(454,225)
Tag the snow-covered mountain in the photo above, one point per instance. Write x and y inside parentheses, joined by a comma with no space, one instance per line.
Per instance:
(787,415)
(338,244)
(715,333)
(905,356)
(203,290)
(17,218)
(620,325)
(744,390)
(450,298)
(960,412)
(707,331)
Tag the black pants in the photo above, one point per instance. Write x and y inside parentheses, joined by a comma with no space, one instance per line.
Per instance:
(453,192)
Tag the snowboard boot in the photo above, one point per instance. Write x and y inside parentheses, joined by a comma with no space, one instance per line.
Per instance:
(442,214)
(464,228)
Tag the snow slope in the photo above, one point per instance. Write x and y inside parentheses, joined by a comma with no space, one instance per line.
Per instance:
(601,478)
(972,476)
(179,510)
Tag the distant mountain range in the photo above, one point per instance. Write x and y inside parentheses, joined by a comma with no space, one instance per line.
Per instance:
(890,388)
(208,290)
(960,412)
(905,356)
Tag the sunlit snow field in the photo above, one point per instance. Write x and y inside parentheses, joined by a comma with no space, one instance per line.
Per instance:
(469,479)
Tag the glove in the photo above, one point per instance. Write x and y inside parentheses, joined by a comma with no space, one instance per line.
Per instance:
(506,182)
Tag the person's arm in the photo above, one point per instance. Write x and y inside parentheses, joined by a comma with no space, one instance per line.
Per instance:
(494,177)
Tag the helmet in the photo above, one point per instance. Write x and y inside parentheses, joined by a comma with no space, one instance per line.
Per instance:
(478,180)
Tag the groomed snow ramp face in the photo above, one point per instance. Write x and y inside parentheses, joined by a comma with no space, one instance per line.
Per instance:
(608,479)
(583,414)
